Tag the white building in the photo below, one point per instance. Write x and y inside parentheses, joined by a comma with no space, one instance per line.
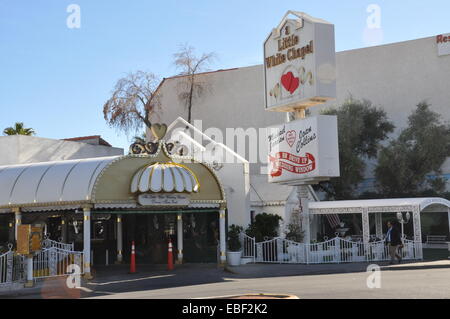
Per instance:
(20,149)
(395,76)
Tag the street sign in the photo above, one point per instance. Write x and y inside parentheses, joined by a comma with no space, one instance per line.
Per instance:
(29,239)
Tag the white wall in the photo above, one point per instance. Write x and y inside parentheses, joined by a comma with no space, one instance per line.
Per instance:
(20,149)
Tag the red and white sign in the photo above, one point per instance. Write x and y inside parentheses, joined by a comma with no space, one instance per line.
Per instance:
(299,63)
(443,44)
(304,151)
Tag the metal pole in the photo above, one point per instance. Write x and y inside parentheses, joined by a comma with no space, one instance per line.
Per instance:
(87,242)
(180,238)
(30,280)
(303,195)
(403,228)
(119,239)
(303,198)
(64,229)
(222,234)
(18,217)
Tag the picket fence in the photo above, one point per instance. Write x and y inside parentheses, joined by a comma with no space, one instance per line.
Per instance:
(52,261)
(334,251)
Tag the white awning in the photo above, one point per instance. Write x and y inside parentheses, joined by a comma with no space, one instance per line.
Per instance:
(168,178)
(376,205)
(50,182)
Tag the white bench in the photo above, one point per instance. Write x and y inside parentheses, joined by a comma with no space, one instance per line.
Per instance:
(436,240)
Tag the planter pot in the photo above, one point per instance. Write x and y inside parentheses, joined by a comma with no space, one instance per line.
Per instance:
(234,258)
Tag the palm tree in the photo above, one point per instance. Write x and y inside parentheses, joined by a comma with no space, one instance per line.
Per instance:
(18,129)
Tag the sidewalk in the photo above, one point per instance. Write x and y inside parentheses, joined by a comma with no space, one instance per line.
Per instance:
(281,270)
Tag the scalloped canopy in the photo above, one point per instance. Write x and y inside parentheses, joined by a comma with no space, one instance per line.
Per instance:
(165,178)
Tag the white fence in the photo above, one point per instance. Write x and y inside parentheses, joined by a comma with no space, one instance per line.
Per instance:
(54,262)
(334,251)
(48,243)
(11,268)
(248,246)
(280,250)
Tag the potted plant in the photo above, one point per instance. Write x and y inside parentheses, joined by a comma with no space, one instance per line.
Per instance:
(234,252)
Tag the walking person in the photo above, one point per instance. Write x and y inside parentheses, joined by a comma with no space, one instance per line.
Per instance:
(394,241)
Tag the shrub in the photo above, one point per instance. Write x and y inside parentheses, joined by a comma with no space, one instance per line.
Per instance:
(265,225)
(234,244)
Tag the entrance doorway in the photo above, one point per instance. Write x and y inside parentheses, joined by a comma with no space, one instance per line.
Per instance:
(151,232)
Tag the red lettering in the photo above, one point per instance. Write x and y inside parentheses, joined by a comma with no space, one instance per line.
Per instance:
(440,38)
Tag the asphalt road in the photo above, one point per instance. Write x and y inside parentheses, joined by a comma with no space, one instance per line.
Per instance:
(403,284)
(210,282)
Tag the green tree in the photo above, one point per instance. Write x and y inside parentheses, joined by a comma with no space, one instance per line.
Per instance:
(405,165)
(18,129)
(361,126)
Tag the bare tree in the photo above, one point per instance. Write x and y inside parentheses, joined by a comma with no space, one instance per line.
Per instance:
(190,65)
(133,100)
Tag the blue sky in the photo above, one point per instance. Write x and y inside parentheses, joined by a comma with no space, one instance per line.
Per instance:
(56,79)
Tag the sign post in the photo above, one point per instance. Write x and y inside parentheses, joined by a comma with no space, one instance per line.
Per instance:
(29,241)
(299,72)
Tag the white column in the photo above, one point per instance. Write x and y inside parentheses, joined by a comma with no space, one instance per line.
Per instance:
(87,242)
(119,239)
(12,231)
(180,238)
(449,219)
(365,224)
(303,199)
(379,225)
(417,225)
(30,280)
(18,220)
(222,235)
(64,229)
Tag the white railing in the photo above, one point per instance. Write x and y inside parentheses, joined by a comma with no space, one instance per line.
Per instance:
(332,251)
(48,243)
(335,251)
(280,250)
(54,262)
(12,268)
(248,246)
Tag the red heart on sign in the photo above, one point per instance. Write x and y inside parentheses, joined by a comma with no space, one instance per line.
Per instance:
(291,137)
(290,82)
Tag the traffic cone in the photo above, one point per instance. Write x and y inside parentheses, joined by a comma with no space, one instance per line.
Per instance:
(133,259)
(170,256)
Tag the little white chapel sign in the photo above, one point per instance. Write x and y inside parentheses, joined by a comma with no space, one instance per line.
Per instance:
(299,63)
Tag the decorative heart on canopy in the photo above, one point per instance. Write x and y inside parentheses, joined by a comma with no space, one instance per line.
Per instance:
(290,82)
(159,130)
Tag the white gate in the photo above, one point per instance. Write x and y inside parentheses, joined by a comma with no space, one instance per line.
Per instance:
(248,246)
(54,262)
(281,251)
(11,268)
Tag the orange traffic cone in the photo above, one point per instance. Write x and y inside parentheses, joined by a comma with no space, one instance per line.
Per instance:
(133,259)
(170,256)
